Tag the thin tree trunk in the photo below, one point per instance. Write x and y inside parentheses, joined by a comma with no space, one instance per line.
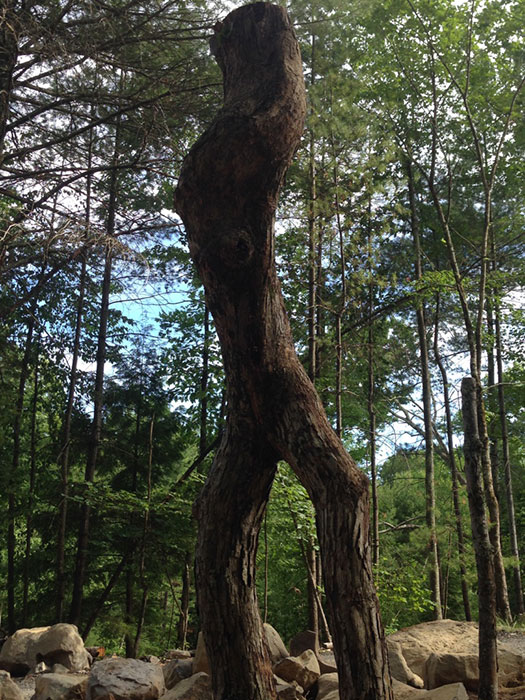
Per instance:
(492,389)
(314,601)
(312,268)
(145,532)
(309,559)
(31,493)
(203,433)
(342,306)
(509,493)
(371,395)
(266,571)
(8,59)
(12,487)
(105,595)
(98,399)
(473,329)
(66,436)
(182,627)
(430,503)
(488,661)
(274,412)
(453,469)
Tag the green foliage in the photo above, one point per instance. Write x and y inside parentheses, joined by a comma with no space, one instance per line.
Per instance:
(404,593)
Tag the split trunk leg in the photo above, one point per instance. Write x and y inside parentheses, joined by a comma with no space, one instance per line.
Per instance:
(230,512)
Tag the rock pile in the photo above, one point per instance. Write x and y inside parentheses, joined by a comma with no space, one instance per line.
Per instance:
(431,661)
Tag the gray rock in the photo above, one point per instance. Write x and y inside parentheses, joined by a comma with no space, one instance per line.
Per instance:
(288,691)
(443,669)
(303,641)
(196,687)
(178,654)
(9,690)
(327,662)
(60,643)
(326,685)
(176,671)
(304,669)
(200,662)
(60,686)
(399,667)
(451,691)
(276,647)
(125,679)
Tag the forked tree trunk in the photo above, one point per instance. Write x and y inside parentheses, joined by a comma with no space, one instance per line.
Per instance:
(227,196)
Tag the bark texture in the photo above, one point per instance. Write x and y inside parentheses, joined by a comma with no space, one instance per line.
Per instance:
(473,447)
(227,196)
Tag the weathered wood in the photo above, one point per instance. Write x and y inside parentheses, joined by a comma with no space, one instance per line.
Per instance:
(227,196)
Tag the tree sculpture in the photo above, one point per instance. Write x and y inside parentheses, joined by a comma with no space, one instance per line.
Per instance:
(227,196)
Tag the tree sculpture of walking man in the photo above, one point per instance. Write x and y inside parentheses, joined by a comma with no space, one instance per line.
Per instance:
(227,196)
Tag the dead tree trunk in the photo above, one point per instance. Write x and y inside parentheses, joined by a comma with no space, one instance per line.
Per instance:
(227,196)
(488,660)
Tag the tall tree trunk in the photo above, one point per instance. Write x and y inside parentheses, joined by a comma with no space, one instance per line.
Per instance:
(430,504)
(8,58)
(31,492)
(105,594)
(12,487)
(98,396)
(227,195)
(66,430)
(145,532)
(341,306)
(453,469)
(313,591)
(474,328)
(488,662)
(371,394)
(509,493)
(312,238)
(129,641)
(492,391)
(205,359)
(182,627)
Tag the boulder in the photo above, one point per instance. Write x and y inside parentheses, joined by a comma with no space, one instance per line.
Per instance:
(449,637)
(327,684)
(178,654)
(304,669)
(402,691)
(303,641)
(326,662)
(196,687)
(9,689)
(451,691)
(125,679)
(399,667)
(441,669)
(60,686)
(200,662)
(58,668)
(176,671)
(60,643)
(276,647)
(288,691)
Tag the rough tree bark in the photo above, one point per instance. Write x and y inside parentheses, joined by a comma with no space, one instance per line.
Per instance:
(473,448)
(227,197)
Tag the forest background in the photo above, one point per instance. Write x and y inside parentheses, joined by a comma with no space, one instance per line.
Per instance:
(400,248)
